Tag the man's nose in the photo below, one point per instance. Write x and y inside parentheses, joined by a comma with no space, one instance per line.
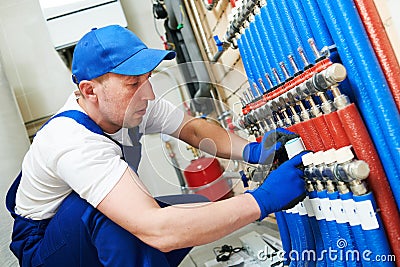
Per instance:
(147,92)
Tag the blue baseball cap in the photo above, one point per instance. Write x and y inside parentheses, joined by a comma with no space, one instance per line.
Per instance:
(114,49)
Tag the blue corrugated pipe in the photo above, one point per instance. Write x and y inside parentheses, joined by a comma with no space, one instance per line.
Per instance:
(275,42)
(259,51)
(302,236)
(355,226)
(245,61)
(373,230)
(332,228)
(319,244)
(250,62)
(282,44)
(326,239)
(317,24)
(290,28)
(294,238)
(370,88)
(306,230)
(258,71)
(300,19)
(272,59)
(349,243)
(285,235)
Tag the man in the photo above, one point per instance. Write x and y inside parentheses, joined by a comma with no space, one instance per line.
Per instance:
(78,202)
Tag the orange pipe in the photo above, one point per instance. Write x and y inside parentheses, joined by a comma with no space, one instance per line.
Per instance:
(365,150)
(381,44)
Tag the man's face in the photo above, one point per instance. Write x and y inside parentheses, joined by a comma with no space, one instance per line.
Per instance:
(123,99)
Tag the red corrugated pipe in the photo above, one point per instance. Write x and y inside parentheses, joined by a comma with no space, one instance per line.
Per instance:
(336,130)
(309,134)
(381,44)
(365,150)
(323,131)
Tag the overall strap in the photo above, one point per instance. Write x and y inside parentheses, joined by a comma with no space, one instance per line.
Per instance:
(80,118)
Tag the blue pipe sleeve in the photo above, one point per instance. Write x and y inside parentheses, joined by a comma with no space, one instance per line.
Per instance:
(294,237)
(300,19)
(319,245)
(355,226)
(285,235)
(374,99)
(302,238)
(245,60)
(272,58)
(306,230)
(275,45)
(373,229)
(251,61)
(332,228)
(289,26)
(282,43)
(259,54)
(318,26)
(343,228)
(323,228)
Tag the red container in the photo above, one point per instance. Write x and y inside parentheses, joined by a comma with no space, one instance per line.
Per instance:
(204,177)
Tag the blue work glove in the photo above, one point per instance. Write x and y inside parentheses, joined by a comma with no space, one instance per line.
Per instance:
(271,146)
(282,189)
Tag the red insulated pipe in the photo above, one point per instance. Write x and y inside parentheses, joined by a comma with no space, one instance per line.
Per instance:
(292,128)
(336,130)
(310,136)
(381,44)
(323,131)
(365,150)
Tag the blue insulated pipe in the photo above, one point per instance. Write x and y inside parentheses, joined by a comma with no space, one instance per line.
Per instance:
(251,61)
(273,36)
(245,60)
(355,226)
(306,230)
(373,229)
(254,61)
(334,235)
(294,238)
(302,26)
(348,243)
(317,23)
(260,50)
(320,217)
(280,37)
(289,26)
(319,244)
(272,58)
(285,235)
(370,89)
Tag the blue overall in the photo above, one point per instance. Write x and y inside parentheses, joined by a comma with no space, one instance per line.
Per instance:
(80,235)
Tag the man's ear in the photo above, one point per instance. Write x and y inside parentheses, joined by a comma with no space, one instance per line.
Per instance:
(87,90)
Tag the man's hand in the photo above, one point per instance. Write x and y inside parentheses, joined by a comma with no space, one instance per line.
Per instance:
(271,146)
(282,189)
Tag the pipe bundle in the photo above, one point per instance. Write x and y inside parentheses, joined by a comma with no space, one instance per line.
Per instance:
(293,51)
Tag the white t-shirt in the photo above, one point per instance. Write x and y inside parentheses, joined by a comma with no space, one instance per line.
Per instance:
(65,156)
